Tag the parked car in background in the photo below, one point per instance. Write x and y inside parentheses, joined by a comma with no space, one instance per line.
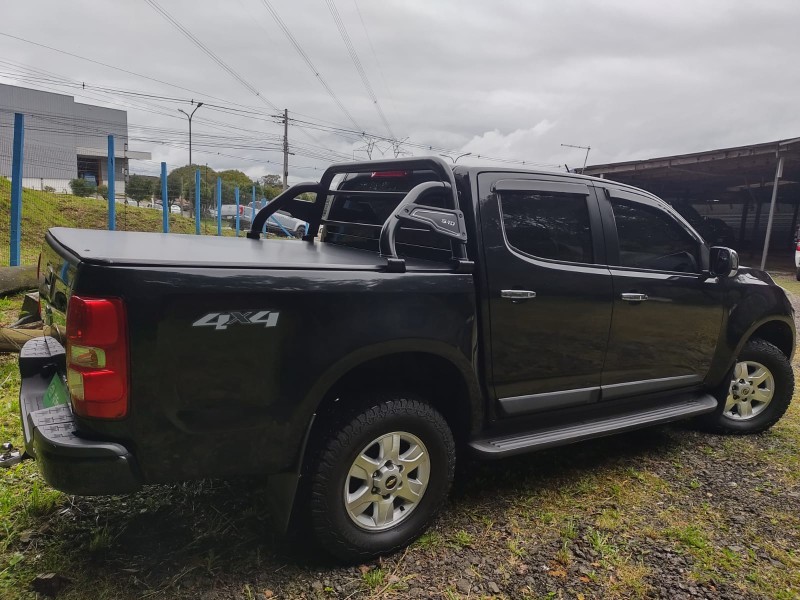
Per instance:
(175,209)
(715,231)
(281,222)
(797,259)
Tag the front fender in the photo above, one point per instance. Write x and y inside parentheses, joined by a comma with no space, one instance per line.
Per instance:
(752,300)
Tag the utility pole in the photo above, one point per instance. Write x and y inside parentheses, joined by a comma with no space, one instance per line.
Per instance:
(587,148)
(199,104)
(285,148)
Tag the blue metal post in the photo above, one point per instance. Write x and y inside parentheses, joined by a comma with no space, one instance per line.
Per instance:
(263,204)
(16,189)
(219,205)
(197,201)
(253,206)
(112,197)
(236,193)
(164,198)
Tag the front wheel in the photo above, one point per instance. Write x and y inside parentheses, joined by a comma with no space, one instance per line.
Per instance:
(758,394)
(381,478)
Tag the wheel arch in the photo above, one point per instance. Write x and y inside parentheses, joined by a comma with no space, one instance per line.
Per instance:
(437,373)
(779,332)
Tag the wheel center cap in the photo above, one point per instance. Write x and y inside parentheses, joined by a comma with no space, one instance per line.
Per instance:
(387,480)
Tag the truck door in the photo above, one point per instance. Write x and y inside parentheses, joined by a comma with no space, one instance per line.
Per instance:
(667,315)
(549,292)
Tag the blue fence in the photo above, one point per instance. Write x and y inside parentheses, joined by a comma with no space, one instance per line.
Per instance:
(34,204)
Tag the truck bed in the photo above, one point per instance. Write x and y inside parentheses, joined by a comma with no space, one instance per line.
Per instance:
(133,248)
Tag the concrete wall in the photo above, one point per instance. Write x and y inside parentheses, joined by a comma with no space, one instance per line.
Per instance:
(55,126)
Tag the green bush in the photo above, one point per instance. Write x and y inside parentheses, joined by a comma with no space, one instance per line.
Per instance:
(102,190)
(81,187)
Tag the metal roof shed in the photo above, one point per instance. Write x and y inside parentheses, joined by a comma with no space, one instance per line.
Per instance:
(746,175)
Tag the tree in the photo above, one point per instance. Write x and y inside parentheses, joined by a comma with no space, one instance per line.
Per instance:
(272,181)
(235,178)
(81,187)
(173,189)
(140,187)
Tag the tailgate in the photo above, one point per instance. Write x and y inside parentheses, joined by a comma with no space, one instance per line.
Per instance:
(57,274)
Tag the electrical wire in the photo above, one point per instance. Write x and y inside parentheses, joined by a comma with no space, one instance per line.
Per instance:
(208,52)
(357,64)
(296,45)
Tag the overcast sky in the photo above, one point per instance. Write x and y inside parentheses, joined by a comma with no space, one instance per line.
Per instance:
(511,80)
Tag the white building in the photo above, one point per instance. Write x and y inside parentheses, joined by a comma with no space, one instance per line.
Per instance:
(64,139)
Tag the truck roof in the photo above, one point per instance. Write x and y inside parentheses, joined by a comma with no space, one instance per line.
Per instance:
(134,248)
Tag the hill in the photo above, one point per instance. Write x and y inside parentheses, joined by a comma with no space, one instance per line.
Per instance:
(42,210)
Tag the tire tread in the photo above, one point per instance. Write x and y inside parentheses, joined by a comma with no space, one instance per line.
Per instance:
(339,441)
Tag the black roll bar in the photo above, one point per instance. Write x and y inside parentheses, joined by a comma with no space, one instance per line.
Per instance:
(311,212)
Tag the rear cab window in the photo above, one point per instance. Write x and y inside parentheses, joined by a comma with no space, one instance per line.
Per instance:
(356,220)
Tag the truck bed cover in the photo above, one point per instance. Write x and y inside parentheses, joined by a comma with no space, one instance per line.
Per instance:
(133,248)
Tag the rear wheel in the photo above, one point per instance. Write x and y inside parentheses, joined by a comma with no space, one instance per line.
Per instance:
(300,232)
(758,394)
(797,274)
(381,478)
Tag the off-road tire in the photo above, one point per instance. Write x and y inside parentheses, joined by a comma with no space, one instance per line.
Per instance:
(332,526)
(777,362)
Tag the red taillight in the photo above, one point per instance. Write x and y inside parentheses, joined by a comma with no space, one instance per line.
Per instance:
(798,246)
(97,357)
(388,174)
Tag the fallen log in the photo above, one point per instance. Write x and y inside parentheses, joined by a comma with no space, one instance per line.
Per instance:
(17,279)
(12,340)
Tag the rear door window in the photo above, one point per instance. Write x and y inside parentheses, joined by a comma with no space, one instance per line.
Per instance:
(548,225)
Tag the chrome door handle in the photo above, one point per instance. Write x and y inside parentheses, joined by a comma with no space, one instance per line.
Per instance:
(517,294)
(630,297)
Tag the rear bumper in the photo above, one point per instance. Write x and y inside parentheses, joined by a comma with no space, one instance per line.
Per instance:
(68,462)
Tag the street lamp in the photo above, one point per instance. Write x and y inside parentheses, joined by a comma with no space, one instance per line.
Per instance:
(455,160)
(199,104)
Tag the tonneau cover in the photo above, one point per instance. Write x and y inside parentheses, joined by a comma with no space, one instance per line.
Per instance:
(133,248)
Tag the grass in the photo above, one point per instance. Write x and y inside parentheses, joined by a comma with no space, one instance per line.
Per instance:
(613,518)
(43,210)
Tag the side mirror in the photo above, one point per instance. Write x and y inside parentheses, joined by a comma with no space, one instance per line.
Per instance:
(724,262)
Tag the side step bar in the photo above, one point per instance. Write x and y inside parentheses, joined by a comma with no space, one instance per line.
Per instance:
(679,407)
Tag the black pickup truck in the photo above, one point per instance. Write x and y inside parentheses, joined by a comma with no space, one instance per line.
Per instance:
(429,313)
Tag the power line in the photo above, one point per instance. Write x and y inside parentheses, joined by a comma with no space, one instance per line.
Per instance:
(372,49)
(357,63)
(120,69)
(308,150)
(188,34)
(308,62)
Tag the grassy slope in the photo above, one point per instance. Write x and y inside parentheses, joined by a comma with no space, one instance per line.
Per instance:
(637,514)
(42,210)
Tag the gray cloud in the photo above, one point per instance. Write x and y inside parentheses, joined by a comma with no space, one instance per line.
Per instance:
(505,79)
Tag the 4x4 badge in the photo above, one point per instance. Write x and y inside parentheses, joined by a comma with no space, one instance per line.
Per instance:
(245,317)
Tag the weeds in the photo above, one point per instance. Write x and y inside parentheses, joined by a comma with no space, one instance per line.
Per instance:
(374,578)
